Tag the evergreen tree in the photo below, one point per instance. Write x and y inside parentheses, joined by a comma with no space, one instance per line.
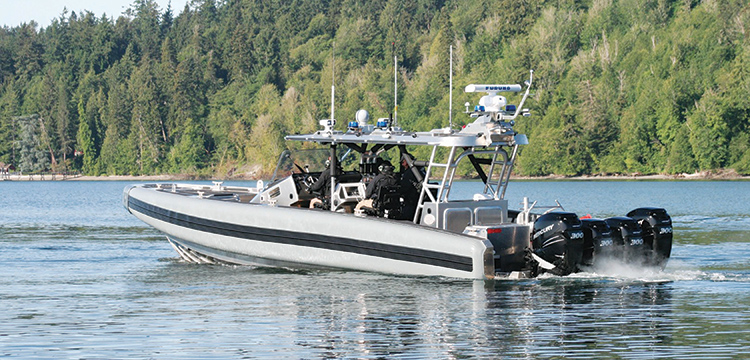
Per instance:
(85,143)
(9,107)
(620,86)
(32,156)
(188,155)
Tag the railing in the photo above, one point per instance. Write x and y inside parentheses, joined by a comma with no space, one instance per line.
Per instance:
(37,176)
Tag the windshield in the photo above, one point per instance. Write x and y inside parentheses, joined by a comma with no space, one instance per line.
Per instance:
(310,160)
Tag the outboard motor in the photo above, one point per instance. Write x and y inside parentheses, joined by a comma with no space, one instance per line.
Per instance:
(597,241)
(656,225)
(557,242)
(628,239)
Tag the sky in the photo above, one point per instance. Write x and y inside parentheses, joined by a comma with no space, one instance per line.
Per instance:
(15,12)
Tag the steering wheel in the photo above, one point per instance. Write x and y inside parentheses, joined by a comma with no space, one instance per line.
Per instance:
(308,181)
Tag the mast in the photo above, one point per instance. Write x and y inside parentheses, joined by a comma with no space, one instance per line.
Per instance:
(334,161)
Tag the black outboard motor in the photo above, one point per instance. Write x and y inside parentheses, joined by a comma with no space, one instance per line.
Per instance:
(656,225)
(597,241)
(628,239)
(557,242)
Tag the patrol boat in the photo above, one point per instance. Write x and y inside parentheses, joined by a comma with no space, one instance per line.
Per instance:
(415,228)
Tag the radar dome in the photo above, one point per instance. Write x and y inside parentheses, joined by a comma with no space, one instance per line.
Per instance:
(492,102)
(362,116)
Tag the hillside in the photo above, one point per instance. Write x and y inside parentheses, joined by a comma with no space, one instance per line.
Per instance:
(621,87)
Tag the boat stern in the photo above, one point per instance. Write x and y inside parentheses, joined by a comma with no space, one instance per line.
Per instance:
(489,263)
(508,251)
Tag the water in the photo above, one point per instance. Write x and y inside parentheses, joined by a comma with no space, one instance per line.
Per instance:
(82,278)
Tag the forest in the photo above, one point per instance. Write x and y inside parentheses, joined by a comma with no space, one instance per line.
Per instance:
(620,86)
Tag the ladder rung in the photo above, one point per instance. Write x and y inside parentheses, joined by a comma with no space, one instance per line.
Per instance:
(437,186)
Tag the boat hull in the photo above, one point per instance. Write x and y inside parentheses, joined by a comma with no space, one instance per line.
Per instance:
(259,234)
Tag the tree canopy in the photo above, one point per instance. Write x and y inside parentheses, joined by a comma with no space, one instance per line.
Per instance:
(621,86)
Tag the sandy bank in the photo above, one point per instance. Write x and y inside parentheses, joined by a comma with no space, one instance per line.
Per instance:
(702,175)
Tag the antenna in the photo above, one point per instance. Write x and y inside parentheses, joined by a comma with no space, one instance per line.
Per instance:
(395,84)
(395,90)
(450,92)
(333,80)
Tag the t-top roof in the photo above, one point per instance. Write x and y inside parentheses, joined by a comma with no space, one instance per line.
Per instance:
(395,136)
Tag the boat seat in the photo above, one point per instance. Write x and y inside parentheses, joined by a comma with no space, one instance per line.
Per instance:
(389,202)
(349,177)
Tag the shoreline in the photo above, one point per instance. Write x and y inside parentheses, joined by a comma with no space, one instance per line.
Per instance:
(38,177)
(721,175)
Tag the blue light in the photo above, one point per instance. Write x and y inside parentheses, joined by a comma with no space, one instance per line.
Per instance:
(510,108)
(353,124)
(382,123)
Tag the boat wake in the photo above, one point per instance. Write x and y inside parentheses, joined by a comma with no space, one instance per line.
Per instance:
(614,270)
(44,232)
(712,223)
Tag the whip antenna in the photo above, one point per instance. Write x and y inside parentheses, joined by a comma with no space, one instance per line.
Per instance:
(395,90)
(333,80)
(395,84)
(450,92)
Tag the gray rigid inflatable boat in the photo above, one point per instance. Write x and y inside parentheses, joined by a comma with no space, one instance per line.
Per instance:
(415,228)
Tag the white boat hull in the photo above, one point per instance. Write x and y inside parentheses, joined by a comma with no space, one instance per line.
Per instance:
(260,234)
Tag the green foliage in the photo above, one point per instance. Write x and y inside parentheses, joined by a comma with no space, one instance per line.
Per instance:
(31,155)
(8,130)
(621,86)
(85,143)
(187,155)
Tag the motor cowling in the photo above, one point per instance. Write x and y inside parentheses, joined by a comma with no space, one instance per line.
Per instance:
(557,239)
(597,241)
(628,239)
(656,226)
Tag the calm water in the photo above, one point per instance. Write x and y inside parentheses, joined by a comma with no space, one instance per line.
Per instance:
(82,278)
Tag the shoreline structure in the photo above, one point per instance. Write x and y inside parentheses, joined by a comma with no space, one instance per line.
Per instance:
(700,176)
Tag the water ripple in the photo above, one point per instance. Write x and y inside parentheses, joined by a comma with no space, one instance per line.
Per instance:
(102,285)
(712,223)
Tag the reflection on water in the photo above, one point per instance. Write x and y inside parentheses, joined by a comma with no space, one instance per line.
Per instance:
(101,285)
(163,306)
(580,318)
